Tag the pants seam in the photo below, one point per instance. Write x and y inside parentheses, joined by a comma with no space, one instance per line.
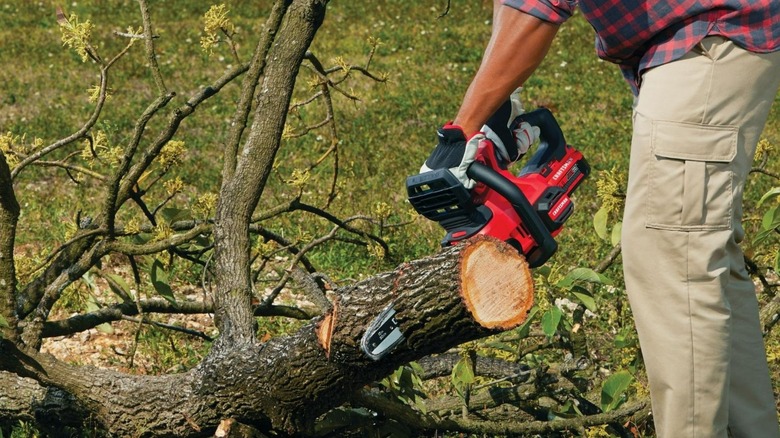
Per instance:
(690,333)
(705,107)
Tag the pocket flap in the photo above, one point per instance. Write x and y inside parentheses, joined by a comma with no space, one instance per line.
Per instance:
(714,143)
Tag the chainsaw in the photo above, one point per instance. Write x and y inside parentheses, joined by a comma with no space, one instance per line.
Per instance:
(527,211)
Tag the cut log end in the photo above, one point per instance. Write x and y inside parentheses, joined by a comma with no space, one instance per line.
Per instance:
(324,329)
(496,283)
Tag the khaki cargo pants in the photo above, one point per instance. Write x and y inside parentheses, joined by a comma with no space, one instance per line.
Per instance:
(696,125)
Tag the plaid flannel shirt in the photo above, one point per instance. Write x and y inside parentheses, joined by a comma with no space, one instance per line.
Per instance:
(640,34)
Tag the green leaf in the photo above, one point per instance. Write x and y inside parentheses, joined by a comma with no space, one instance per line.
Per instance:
(582,274)
(340,418)
(417,368)
(119,286)
(4,322)
(172,215)
(625,338)
(92,306)
(762,236)
(568,410)
(550,321)
(600,222)
(120,282)
(405,380)
(617,232)
(768,195)
(543,271)
(462,375)
(87,278)
(587,300)
(771,219)
(160,281)
(613,389)
(769,222)
(525,328)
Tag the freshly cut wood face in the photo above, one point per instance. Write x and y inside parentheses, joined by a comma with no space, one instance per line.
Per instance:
(496,284)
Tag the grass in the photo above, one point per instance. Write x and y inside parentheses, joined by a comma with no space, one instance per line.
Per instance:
(384,136)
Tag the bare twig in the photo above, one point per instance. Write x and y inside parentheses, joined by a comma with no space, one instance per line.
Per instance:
(446,10)
(418,421)
(70,168)
(171,327)
(81,133)
(609,260)
(78,237)
(343,223)
(133,35)
(288,273)
(151,56)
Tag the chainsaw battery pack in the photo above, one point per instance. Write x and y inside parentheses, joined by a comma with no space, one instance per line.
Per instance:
(440,197)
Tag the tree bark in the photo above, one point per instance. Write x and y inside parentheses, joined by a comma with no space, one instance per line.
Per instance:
(243,185)
(458,295)
(9,215)
(24,399)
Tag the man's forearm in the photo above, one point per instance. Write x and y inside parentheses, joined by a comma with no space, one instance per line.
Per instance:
(517,46)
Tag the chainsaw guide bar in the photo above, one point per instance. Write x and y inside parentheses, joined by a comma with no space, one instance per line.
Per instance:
(382,335)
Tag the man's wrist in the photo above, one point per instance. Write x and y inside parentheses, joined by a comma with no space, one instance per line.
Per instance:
(469,129)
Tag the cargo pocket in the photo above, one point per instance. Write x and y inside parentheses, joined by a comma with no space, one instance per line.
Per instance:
(692,176)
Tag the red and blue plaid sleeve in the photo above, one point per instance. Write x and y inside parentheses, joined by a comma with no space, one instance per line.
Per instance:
(554,11)
(640,34)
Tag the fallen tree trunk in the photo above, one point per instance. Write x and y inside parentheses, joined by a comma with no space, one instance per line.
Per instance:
(53,410)
(458,295)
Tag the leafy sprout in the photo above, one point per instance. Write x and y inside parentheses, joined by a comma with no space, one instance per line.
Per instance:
(75,35)
(216,22)
(610,189)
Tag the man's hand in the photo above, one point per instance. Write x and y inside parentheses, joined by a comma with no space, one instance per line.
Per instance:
(454,152)
(512,139)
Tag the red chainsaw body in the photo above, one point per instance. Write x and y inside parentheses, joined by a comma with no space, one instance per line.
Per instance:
(546,188)
(526,210)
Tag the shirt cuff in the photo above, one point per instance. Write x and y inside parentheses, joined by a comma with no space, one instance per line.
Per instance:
(554,11)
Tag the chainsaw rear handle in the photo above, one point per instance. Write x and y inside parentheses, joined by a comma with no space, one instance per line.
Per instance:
(545,241)
(552,144)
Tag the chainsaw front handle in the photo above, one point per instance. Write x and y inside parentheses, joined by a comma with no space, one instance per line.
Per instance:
(494,180)
(552,144)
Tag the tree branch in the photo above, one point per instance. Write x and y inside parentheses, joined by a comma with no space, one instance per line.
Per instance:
(151,56)
(321,363)
(73,137)
(243,184)
(420,422)
(9,215)
(255,70)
